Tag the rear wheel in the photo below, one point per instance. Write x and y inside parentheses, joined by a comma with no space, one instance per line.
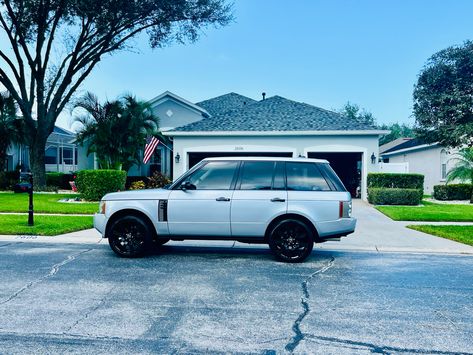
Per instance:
(129,236)
(291,240)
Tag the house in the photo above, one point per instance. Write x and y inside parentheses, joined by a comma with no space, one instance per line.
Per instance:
(431,160)
(235,125)
(61,153)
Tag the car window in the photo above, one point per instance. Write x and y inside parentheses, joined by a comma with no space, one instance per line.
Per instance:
(257,175)
(305,177)
(215,175)
(332,177)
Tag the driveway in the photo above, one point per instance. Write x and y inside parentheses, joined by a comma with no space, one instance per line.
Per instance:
(376,232)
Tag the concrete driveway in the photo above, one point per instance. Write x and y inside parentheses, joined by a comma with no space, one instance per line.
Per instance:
(376,232)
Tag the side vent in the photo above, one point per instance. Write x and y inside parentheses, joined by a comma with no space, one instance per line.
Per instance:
(163,211)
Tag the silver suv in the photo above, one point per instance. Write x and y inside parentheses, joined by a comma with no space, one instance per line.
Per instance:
(288,203)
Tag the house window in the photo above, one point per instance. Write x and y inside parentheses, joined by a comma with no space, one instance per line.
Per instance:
(443,164)
(156,163)
(51,156)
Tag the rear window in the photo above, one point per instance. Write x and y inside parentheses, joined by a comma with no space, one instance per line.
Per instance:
(305,177)
(332,177)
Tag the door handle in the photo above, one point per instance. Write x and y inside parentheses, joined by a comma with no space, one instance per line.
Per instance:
(224,199)
(277,199)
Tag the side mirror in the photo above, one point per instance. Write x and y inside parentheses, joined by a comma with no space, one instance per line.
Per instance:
(187,185)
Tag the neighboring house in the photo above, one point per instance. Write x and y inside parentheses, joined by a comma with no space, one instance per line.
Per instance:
(61,153)
(431,160)
(235,125)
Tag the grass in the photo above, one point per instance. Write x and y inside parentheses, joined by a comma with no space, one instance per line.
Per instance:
(44,225)
(429,211)
(462,234)
(45,203)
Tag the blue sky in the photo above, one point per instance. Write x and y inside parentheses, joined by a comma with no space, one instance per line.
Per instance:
(324,53)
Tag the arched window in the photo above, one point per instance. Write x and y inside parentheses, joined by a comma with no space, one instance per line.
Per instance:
(443,164)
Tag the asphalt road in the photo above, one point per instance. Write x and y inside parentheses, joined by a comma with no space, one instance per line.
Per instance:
(81,298)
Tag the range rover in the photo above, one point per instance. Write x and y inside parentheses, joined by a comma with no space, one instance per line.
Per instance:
(288,203)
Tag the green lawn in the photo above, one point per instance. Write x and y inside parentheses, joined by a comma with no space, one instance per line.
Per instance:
(44,225)
(429,211)
(45,203)
(462,234)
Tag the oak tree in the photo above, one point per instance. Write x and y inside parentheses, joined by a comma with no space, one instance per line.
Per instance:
(53,45)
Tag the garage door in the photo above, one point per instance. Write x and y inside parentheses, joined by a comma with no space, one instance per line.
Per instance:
(346,165)
(194,158)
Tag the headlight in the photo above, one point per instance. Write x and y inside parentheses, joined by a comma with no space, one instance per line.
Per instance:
(102,207)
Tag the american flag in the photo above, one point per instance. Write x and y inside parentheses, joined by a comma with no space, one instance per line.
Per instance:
(150,146)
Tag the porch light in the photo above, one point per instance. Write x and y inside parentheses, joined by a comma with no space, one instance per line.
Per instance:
(177,158)
(373,158)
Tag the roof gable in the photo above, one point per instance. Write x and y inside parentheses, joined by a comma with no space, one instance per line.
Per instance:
(169,95)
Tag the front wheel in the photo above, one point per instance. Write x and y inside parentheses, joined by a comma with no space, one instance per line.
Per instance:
(129,236)
(291,240)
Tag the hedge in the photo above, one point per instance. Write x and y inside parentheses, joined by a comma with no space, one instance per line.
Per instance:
(383,196)
(59,180)
(94,184)
(453,192)
(401,181)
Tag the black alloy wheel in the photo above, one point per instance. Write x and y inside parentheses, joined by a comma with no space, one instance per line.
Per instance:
(129,237)
(291,241)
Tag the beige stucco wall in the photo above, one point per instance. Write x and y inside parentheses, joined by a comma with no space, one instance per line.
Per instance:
(426,162)
(297,144)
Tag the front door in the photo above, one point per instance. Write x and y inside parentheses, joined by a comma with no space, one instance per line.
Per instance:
(201,205)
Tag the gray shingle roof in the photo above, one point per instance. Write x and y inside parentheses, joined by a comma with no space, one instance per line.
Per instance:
(273,114)
(224,103)
(411,143)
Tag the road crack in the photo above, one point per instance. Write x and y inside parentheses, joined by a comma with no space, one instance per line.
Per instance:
(291,346)
(54,270)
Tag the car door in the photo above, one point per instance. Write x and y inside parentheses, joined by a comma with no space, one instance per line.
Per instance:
(200,206)
(259,196)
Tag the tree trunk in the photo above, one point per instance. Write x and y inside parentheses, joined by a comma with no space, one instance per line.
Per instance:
(37,160)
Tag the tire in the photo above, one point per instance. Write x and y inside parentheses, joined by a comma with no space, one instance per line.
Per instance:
(129,237)
(291,241)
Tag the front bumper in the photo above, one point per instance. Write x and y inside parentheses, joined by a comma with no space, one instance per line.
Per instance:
(100,222)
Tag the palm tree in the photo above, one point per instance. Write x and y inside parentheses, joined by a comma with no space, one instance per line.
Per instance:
(463,169)
(11,126)
(115,130)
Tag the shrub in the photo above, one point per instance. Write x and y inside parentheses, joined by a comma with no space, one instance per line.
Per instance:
(383,196)
(94,184)
(8,179)
(47,188)
(137,185)
(158,180)
(400,181)
(453,192)
(131,179)
(60,180)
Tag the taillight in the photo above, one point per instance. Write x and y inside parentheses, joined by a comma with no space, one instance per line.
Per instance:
(344,209)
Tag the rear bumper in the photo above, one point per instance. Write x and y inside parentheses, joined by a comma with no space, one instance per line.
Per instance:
(100,222)
(335,229)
